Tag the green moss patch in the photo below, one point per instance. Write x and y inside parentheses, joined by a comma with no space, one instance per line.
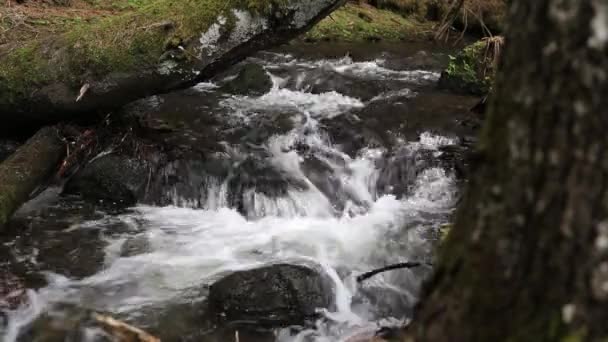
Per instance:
(473,70)
(354,23)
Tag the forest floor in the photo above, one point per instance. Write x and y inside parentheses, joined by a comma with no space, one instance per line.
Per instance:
(38,18)
(354,22)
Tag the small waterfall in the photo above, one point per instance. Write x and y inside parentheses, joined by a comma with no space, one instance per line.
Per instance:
(296,197)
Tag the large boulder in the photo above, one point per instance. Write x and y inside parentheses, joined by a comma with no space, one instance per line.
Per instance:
(114,179)
(271,296)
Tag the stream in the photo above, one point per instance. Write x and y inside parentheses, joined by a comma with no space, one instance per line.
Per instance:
(351,161)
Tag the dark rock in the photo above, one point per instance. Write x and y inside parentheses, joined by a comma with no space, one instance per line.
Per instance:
(351,133)
(422,60)
(117,179)
(259,174)
(323,177)
(459,85)
(194,180)
(400,169)
(384,301)
(325,79)
(252,79)
(271,296)
(258,131)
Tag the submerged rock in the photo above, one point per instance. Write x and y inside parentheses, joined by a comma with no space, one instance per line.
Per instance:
(271,296)
(117,179)
(252,79)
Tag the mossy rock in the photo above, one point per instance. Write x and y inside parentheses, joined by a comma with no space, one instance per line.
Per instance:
(472,70)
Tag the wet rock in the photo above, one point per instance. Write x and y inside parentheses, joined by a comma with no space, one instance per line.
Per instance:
(221,180)
(113,179)
(459,85)
(78,254)
(457,158)
(422,60)
(324,80)
(400,169)
(251,80)
(323,177)
(352,134)
(262,128)
(69,323)
(271,296)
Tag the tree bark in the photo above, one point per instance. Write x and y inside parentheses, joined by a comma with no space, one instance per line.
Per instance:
(162,46)
(527,259)
(26,169)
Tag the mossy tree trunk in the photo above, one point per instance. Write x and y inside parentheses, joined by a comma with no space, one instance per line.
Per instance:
(27,169)
(527,259)
(162,46)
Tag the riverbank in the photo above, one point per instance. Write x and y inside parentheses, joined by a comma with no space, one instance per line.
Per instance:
(386,20)
(352,23)
(363,22)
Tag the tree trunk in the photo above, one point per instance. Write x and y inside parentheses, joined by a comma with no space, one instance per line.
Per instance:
(527,259)
(162,46)
(26,169)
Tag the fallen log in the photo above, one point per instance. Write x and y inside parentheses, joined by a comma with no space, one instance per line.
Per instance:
(161,46)
(27,168)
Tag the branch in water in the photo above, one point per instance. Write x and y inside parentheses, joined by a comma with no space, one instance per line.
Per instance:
(398,266)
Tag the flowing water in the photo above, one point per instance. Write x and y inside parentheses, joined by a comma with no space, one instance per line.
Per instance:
(356,180)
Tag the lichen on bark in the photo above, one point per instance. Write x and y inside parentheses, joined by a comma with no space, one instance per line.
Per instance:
(523,256)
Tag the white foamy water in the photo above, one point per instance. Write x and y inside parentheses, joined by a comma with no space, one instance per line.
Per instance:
(186,248)
(370,70)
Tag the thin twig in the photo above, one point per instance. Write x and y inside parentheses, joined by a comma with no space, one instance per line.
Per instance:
(410,264)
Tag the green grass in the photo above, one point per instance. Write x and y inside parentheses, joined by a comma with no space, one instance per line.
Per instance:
(127,41)
(353,23)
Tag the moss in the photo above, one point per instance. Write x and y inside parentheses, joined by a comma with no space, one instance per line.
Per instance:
(423,9)
(354,23)
(123,42)
(21,68)
(576,336)
(471,71)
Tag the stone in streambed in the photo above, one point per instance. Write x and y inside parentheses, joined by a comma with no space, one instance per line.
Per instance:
(271,296)
(251,80)
(117,179)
